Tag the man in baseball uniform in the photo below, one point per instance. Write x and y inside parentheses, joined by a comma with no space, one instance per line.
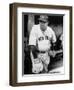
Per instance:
(40,40)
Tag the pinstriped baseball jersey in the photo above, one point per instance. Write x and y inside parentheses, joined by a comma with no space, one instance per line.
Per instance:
(42,38)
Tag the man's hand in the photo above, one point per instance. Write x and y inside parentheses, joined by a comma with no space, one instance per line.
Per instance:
(36,61)
(52,53)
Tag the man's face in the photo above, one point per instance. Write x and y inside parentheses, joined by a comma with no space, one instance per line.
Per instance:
(43,25)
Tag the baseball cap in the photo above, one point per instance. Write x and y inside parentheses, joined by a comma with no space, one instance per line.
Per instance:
(43,18)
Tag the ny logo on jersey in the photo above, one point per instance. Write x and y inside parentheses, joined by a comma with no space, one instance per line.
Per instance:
(43,38)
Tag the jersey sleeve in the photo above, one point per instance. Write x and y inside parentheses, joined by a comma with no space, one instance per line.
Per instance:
(53,37)
(32,37)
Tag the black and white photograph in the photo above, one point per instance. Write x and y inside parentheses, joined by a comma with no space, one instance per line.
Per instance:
(42,44)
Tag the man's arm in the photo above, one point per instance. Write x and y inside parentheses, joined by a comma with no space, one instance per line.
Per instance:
(32,42)
(34,50)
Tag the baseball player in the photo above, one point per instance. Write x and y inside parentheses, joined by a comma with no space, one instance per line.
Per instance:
(40,40)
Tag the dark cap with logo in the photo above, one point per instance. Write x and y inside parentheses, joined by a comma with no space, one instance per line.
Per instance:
(43,18)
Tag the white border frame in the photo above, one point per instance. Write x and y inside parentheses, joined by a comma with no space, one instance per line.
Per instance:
(66,26)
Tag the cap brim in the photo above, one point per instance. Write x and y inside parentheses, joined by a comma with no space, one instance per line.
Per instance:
(42,20)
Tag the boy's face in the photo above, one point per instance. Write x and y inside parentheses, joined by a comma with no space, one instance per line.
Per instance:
(43,25)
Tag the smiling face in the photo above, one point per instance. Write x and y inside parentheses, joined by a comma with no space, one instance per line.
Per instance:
(43,25)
